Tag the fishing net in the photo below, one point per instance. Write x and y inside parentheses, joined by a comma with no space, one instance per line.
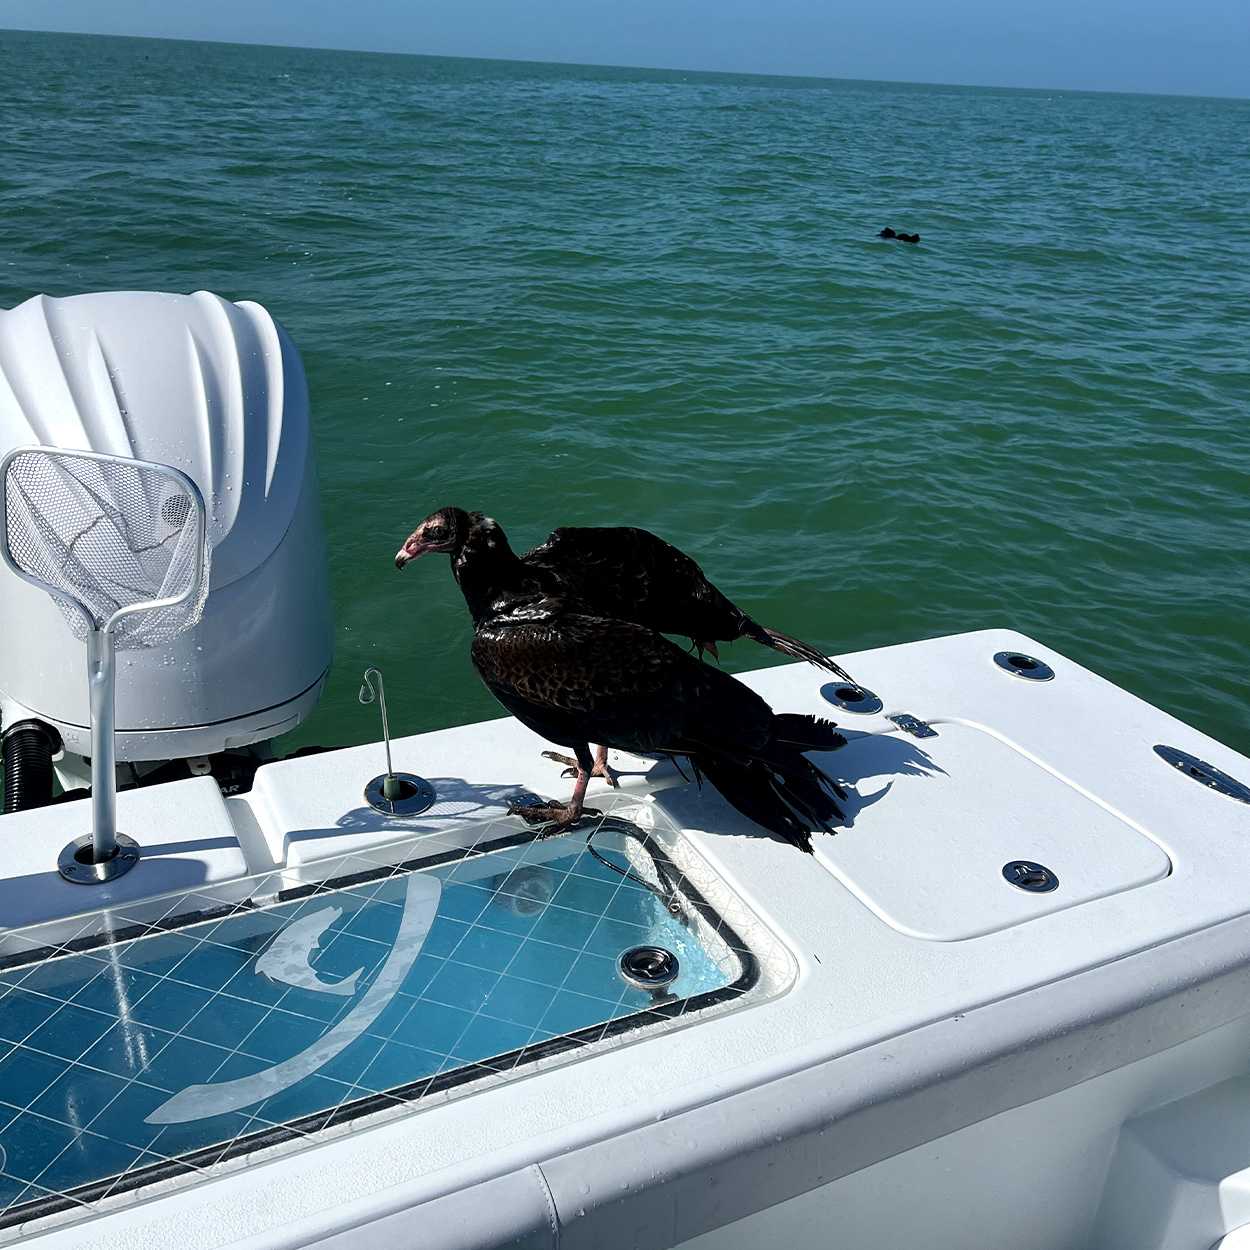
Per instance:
(110,533)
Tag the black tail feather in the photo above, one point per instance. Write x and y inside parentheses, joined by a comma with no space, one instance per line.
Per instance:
(793,800)
(800,651)
(808,733)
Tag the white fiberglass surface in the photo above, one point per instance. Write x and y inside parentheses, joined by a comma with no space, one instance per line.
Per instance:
(160,1046)
(937,822)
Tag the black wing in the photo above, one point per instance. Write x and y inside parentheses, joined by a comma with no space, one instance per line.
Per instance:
(629,573)
(576,677)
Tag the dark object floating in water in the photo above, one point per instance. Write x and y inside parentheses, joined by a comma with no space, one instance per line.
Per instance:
(575,673)
(903,237)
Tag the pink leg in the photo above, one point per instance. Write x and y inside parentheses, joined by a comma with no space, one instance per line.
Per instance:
(579,795)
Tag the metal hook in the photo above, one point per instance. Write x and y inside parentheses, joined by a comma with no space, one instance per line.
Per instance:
(390,786)
(396,794)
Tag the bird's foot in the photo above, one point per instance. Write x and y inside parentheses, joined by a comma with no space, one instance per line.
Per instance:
(600,769)
(557,816)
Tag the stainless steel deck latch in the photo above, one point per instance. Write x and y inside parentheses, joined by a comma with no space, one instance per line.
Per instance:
(913,725)
(1204,773)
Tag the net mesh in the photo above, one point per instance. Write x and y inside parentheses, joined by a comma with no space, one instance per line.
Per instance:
(112,534)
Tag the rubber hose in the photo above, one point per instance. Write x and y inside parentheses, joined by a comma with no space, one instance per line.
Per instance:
(28,750)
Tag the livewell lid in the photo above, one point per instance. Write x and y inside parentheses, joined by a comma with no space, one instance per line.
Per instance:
(936,820)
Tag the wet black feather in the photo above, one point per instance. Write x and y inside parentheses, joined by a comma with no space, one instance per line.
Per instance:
(633,575)
(574,678)
(570,639)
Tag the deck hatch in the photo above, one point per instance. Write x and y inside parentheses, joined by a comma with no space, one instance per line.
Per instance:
(172,1045)
(934,821)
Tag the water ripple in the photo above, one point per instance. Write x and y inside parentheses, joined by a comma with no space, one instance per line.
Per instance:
(572,295)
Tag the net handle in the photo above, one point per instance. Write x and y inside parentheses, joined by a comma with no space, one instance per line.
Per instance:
(175,475)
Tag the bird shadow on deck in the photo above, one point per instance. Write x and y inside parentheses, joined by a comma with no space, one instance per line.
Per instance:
(460,803)
(457,803)
(866,757)
(869,756)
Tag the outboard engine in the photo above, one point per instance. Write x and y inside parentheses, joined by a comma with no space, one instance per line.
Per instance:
(216,390)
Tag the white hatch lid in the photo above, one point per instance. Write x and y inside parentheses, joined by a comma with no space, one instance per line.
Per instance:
(959,808)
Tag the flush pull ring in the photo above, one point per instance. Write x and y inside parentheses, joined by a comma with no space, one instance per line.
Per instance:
(1026,875)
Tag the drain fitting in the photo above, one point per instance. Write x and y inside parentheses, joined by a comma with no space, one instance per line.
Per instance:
(851,698)
(650,968)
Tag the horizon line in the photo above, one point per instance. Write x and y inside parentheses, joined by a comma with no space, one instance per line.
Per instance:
(641,69)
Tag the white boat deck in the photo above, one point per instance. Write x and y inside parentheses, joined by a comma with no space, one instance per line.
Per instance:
(929,994)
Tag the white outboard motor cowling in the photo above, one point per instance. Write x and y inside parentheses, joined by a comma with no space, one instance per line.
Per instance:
(216,390)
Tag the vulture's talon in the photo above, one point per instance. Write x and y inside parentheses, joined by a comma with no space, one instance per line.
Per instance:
(564,826)
(571,769)
(607,774)
(537,813)
(557,816)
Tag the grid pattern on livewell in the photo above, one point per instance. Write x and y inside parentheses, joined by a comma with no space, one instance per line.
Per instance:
(94,1043)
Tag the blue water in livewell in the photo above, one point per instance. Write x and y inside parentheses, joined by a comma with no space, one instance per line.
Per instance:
(99,1045)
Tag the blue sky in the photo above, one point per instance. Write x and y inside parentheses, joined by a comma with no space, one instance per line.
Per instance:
(1196,47)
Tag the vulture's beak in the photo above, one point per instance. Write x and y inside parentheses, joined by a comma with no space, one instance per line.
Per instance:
(413,548)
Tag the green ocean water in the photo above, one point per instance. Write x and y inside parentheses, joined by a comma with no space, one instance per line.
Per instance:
(568,295)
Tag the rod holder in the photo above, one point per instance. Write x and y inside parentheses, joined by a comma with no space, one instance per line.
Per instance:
(103,854)
(392,793)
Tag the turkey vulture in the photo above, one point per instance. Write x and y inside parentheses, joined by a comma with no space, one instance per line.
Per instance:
(575,675)
(619,571)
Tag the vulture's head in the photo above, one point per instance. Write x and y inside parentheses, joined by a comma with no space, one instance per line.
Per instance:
(444,530)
